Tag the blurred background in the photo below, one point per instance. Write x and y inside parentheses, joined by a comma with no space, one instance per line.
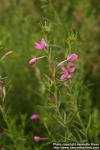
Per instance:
(22,22)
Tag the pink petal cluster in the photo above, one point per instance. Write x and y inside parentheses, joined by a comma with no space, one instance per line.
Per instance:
(41,45)
(72,57)
(67,73)
(35,117)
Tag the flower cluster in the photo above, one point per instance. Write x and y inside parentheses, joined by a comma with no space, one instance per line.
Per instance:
(39,46)
(66,72)
(37,138)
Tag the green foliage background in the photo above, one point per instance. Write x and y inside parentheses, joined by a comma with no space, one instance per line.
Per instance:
(73,26)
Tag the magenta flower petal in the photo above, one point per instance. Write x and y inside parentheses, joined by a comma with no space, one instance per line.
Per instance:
(35,117)
(67,72)
(40,45)
(63,77)
(72,68)
(69,76)
(72,58)
(37,139)
(43,42)
(33,61)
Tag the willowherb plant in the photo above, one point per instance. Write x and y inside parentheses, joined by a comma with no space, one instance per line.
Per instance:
(67,67)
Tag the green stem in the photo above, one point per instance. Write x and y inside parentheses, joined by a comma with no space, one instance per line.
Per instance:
(82,125)
(49,133)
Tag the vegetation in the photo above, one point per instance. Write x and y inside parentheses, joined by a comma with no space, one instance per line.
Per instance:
(37,108)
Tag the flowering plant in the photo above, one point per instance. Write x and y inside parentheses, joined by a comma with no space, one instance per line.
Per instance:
(66,74)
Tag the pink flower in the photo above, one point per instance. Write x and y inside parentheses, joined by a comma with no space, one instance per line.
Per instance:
(38,139)
(72,68)
(66,75)
(67,72)
(35,60)
(40,45)
(35,117)
(72,57)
